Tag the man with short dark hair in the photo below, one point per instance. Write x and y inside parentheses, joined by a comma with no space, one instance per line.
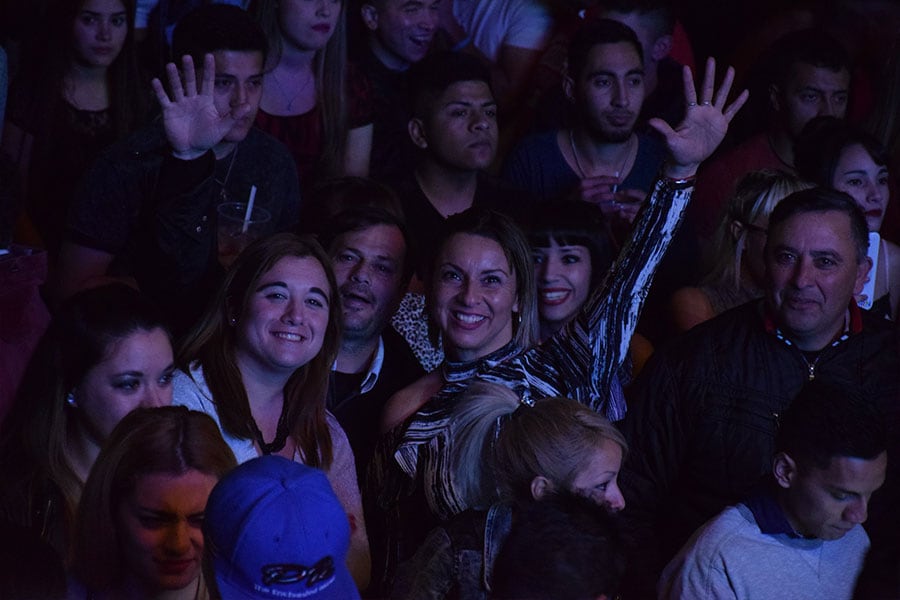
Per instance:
(147,207)
(704,410)
(799,536)
(809,76)
(600,159)
(454,129)
(653,21)
(370,253)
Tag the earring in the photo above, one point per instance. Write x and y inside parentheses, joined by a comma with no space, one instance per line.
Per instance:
(234,320)
(70,400)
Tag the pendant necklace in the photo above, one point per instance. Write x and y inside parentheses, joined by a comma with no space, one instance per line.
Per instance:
(289,107)
(581,170)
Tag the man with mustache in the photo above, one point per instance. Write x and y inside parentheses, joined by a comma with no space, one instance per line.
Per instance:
(601,159)
(704,412)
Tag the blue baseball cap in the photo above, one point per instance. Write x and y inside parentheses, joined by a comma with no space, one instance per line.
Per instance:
(275,529)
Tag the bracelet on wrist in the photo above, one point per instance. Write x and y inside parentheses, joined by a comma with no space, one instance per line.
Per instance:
(676,183)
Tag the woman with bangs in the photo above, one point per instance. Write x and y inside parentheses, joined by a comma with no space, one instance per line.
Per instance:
(573,250)
(259,360)
(313,101)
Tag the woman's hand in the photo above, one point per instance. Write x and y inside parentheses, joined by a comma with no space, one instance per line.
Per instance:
(705,122)
(192,121)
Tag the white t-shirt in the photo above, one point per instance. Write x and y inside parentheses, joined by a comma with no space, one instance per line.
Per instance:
(495,23)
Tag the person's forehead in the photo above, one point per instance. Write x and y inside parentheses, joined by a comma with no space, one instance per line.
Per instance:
(851,474)
(618,56)
(383,238)
(239,62)
(828,225)
(466,91)
(802,75)
(399,5)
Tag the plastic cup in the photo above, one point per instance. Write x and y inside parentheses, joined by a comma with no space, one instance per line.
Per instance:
(232,236)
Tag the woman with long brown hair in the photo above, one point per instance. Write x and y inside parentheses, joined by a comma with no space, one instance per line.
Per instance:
(259,360)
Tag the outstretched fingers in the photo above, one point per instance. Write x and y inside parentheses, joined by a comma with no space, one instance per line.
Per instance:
(175,84)
(189,75)
(209,75)
(724,89)
(709,82)
(161,96)
(690,92)
(735,106)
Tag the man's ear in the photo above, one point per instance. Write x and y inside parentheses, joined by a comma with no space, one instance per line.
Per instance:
(661,47)
(775,97)
(784,469)
(862,274)
(540,487)
(369,15)
(416,130)
(568,87)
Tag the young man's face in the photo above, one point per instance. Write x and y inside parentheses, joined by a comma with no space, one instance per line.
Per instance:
(808,93)
(238,82)
(609,91)
(460,130)
(827,503)
(401,30)
(813,272)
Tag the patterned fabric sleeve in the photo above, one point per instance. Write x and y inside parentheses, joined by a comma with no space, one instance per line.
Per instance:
(580,362)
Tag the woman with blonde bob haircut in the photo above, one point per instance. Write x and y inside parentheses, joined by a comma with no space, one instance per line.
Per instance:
(510,454)
(259,361)
(138,529)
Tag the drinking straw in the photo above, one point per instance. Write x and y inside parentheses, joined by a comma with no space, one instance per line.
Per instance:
(249,212)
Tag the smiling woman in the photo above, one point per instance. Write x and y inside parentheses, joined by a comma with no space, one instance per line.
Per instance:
(138,532)
(259,360)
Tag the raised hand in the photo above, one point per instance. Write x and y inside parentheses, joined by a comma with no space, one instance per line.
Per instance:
(192,121)
(705,121)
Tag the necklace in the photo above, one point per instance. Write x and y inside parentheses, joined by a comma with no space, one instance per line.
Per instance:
(281,433)
(223,195)
(581,170)
(285,96)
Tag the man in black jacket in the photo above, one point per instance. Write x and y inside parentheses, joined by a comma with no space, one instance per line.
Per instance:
(705,411)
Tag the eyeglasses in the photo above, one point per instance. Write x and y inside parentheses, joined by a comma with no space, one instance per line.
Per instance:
(756,228)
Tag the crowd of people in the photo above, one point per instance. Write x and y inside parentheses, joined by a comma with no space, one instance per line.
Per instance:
(477,299)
